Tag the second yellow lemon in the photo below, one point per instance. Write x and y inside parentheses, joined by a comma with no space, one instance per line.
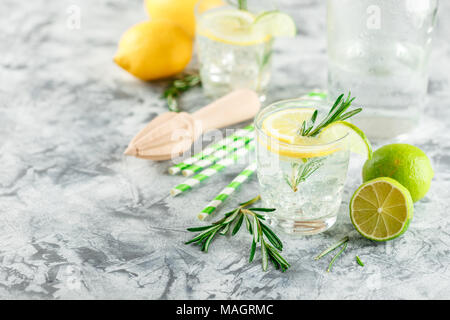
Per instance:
(178,11)
(154,49)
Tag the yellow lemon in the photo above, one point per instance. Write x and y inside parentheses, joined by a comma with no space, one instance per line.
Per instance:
(178,11)
(284,125)
(154,49)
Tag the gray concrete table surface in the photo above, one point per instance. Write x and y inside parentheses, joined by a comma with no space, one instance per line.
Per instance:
(80,221)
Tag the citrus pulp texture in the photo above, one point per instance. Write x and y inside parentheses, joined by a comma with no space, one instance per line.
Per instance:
(381,209)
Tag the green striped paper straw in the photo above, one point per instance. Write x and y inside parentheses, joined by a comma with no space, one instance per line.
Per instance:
(216,156)
(316,95)
(227,191)
(210,150)
(219,166)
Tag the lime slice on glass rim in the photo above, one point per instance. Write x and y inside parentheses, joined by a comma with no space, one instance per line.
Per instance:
(239,27)
(381,209)
(275,23)
(358,142)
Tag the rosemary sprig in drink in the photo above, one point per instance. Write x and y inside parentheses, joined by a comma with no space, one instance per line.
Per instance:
(301,172)
(271,245)
(336,113)
(309,129)
(177,87)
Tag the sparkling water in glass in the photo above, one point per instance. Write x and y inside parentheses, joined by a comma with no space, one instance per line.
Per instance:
(379,50)
(303,206)
(227,65)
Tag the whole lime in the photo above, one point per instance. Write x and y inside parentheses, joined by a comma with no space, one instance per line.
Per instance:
(402,162)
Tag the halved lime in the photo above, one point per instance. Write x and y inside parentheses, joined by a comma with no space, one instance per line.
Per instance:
(275,23)
(381,209)
(358,141)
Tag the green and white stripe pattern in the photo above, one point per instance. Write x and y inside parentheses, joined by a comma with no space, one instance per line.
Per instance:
(239,134)
(316,95)
(219,166)
(216,156)
(227,191)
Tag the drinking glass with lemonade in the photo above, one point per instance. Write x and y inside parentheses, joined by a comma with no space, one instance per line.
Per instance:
(234,44)
(303,150)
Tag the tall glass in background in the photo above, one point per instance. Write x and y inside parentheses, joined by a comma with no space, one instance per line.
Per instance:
(230,56)
(379,50)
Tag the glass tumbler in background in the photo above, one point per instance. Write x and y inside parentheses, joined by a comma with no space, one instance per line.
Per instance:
(303,180)
(230,55)
(379,50)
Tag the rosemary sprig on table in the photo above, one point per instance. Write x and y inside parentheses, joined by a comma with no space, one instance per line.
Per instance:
(301,172)
(270,244)
(177,87)
(343,242)
(336,113)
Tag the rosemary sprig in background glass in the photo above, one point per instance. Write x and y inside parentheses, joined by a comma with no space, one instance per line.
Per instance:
(270,244)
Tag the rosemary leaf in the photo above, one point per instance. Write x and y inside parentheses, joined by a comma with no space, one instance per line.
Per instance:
(264,254)
(252,251)
(248,224)
(336,256)
(198,228)
(250,202)
(263,209)
(238,224)
(200,236)
(359,261)
(278,256)
(272,237)
(332,248)
(225,229)
(255,229)
(208,241)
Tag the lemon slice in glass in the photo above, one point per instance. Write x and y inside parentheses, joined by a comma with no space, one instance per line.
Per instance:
(381,209)
(284,126)
(230,26)
(239,27)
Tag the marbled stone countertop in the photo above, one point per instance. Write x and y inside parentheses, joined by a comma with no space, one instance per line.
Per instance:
(78,220)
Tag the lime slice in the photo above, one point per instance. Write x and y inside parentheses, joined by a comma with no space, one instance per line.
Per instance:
(231,27)
(276,24)
(381,209)
(357,139)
